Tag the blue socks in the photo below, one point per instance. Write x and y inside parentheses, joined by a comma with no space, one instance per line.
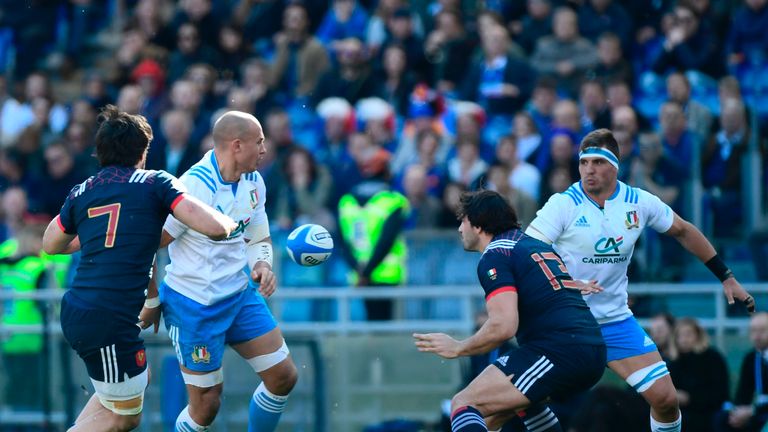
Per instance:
(265,410)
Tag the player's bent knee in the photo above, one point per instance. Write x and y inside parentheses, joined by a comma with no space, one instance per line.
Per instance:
(266,361)
(205,380)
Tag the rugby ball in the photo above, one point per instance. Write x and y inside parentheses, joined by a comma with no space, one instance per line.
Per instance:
(309,245)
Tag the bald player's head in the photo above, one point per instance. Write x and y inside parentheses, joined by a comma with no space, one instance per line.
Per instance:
(234,125)
(758,330)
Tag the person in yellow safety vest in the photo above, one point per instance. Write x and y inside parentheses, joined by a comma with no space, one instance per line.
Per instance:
(371,221)
(23,272)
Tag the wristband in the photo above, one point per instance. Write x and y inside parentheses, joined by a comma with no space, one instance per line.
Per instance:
(718,268)
(151,303)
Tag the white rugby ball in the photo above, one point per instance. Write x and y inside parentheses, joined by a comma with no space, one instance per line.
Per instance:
(309,245)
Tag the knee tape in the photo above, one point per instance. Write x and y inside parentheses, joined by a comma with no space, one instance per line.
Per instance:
(642,379)
(209,379)
(123,398)
(266,361)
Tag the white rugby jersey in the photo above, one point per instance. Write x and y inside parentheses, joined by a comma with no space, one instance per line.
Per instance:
(598,243)
(206,270)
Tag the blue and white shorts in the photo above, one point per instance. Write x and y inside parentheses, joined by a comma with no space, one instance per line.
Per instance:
(200,332)
(626,339)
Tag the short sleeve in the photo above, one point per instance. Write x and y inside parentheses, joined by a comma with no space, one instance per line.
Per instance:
(169,189)
(66,219)
(658,214)
(495,275)
(551,219)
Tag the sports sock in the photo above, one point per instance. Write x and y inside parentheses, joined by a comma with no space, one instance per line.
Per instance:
(265,410)
(539,418)
(675,426)
(184,423)
(467,419)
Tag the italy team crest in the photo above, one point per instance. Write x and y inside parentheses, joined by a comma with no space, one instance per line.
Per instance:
(200,354)
(632,220)
(254,194)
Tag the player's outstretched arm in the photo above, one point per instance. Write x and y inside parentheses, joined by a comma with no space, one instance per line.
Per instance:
(195,214)
(694,242)
(500,326)
(56,241)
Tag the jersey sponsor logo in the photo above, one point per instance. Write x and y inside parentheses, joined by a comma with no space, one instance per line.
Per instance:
(254,195)
(200,354)
(632,220)
(141,358)
(492,274)
(582,222)
(241,226)
(607,251)
(503,360)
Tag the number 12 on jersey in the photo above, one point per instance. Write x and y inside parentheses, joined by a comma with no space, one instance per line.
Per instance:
(548,260)
(113,211)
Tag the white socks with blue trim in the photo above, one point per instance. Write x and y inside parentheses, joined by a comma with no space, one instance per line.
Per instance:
(184,423)
(675,426)
(265,410)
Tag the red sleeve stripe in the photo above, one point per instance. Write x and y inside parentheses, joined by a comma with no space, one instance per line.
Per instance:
(499,291)
(61,226)
(176,201)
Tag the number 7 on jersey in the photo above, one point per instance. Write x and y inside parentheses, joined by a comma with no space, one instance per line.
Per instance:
(113,211)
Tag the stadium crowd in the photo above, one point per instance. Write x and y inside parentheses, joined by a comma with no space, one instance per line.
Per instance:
(432,96)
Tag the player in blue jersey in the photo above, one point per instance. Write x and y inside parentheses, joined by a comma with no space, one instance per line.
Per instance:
(115,218)
(594,226)
(529,294)
(206,298)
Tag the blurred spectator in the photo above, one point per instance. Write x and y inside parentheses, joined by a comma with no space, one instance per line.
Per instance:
(151,78)
(488,22)
(451,201)
(371,222)
(566,55)
(345,19)
(129,54)
(688,46)
(748,40)
(376,33)
(721,170)
(449,49)
(522,175)
(567,115)
(14,205)
(466,167)
(394,81)
(189,50)
(700,375)
(527,136)
(624,126)
(619,94)
(261,20)
(152,18)
(499,82)
(562,166)
(612,65)
(597,17)
(655,172)
(426,209)
(60,177)
(95,90)
(594,106)
(677,140)
(401,31)
(300,58)
(14,173)
(204,76)
(179,151)
(303,198)
(525,206)
(130,99)
(699,117)
(79,141)
(542,104)
(199,14)
(377,118)
(186,96)
(352,79)
(427,146)
(338,123)
(233,52)
(255,81)
(37,90)
(536,24)
(749,410)
(662,331)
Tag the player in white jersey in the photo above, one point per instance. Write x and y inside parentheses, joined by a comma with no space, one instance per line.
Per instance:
(206,297)
(594,225)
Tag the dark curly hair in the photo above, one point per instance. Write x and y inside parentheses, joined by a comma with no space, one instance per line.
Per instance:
(122,138)
(488,211)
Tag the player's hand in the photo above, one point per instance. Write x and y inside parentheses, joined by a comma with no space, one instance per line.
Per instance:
(587,287)
(438,343)
(733,290)
(149,317)
(262,273)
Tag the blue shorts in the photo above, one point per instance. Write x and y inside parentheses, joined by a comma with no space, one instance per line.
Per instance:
(625,339)
(199,333)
